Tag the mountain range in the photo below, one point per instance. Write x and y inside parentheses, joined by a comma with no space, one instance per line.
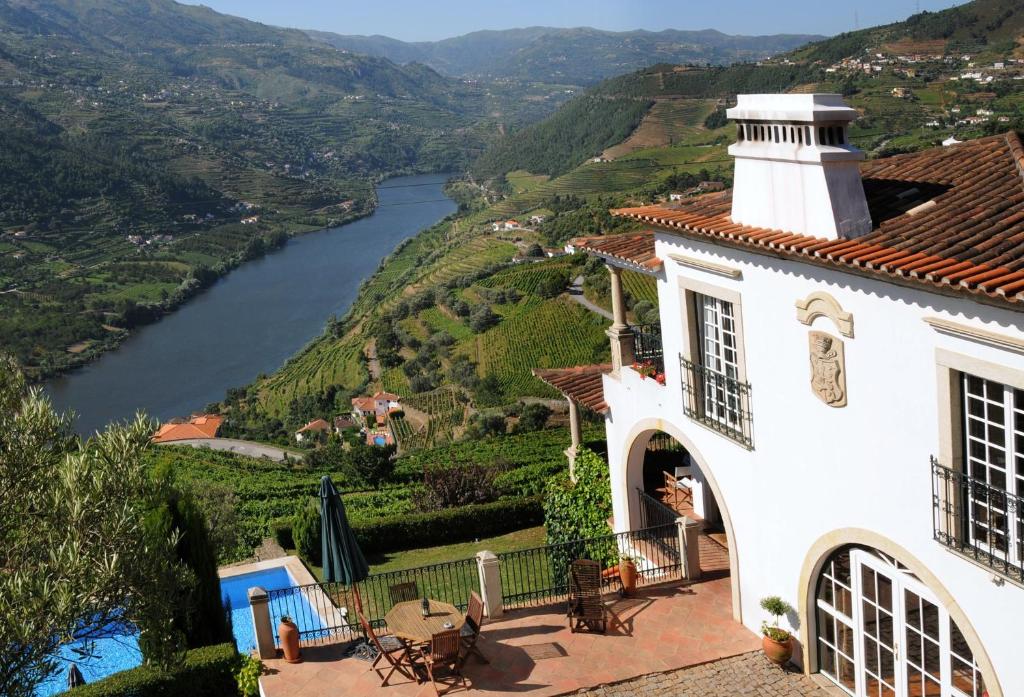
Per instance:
(577,56)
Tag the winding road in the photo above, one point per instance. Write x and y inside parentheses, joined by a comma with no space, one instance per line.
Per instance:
(241,447)
(575,292)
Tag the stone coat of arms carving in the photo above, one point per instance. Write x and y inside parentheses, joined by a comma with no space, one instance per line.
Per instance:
(828,368)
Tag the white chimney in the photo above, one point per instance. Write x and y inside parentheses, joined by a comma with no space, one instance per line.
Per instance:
(795,168)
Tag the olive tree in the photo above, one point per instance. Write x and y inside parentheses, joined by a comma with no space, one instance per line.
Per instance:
(73,554)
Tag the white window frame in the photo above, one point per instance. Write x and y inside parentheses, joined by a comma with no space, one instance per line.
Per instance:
(983,449)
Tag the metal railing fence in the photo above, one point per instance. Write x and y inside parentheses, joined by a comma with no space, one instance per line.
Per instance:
(978,520)
(540,575)
(718,401)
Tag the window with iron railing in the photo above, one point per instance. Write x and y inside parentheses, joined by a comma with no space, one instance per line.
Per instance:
(712,390)
(979,508)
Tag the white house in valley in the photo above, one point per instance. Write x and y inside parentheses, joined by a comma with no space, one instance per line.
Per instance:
(843,351)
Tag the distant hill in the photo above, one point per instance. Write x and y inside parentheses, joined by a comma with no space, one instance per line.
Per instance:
(975,26)
(607,113)
(567,56)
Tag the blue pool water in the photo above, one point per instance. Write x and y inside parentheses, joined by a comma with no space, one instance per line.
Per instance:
(235,593)
(380,440)
(115,650)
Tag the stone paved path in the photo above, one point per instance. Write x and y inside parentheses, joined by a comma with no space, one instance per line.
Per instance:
(748,674)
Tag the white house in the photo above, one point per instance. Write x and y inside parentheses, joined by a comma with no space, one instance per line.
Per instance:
(378,406)
(843,352)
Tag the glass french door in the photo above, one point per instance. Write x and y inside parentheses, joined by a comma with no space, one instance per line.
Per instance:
(882,633)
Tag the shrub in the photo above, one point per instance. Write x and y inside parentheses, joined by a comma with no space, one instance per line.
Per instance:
(534,417)
(281,531)
(581,509)
(206,672)
(409,531)
(248,676)
(306,533)
(449,486)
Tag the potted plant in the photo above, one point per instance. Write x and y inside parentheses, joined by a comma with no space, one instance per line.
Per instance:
(289,634)
(777,642)
(627,574)
(659,378)
(646,369)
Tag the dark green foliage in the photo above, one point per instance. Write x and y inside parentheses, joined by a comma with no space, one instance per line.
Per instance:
(716,119)
(488,391)
(582,128)
(449,486)
(708,82)
(534,417)
(580,511)
(206,672)
(201,618)
(307,532)
(281,530)
(482,318)
(409,531)
(370,465)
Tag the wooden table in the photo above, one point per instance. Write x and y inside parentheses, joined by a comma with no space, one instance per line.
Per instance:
(406,620)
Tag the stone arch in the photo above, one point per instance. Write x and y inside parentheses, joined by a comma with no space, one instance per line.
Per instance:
(830,542)
(632,477)
(821,304)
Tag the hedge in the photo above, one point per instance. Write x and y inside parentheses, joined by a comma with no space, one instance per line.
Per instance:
(281,530)
(466,523)
(207,672)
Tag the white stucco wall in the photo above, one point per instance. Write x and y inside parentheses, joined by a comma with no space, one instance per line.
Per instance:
(816,469)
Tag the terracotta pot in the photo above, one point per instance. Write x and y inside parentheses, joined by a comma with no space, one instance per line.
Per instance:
(610,572)
(289,634)
(627,572)
(778,652)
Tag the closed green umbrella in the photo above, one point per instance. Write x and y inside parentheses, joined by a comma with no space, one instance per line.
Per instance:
(343,560)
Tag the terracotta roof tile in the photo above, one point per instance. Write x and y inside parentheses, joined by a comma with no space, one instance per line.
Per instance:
(582,384)
(951,216)
(200,426)
(636,249)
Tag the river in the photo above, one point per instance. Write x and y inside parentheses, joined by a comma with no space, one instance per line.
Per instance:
(250,321)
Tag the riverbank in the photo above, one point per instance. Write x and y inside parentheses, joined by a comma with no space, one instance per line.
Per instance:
(251,320)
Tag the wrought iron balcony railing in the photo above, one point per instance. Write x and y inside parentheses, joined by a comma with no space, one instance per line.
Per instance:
(718,401)
(978,520)
(647,345)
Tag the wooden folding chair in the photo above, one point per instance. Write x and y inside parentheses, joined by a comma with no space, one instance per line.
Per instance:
(470,631)
(585,606)
(393,651)
(402,592)
(444,659)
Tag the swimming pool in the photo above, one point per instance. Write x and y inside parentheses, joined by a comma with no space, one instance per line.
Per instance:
(111,651)
(235,595)
(380,440)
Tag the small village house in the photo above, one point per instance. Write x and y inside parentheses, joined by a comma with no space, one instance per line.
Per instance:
(376,408)
(317,429)
(197,427)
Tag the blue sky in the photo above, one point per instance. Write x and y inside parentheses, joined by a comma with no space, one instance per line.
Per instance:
(417,20)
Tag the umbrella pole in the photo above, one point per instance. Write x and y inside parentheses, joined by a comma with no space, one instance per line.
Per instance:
(362,648)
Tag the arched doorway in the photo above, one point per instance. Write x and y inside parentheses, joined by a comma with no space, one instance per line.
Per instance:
(880,631)
(655,448)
